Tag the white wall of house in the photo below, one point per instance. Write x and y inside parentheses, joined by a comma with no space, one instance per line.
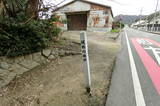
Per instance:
(75,7)
(154,21)
(92,24)
(100,24)
(62,17)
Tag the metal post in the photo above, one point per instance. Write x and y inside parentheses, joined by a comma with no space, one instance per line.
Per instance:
(85,56)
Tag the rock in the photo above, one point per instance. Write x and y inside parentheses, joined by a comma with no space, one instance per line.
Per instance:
(19,59)
(8,60)
(18,69)
(54,52)
(48,61)
(28,57)
(7,79)
(43,60)
(3,77)
(3,73)
(51,57)
(29,64)
(1,83)
(61,52)
(1,95)
(46,53)
(10,77)
(2,58)
(7,76)
(4,65)
(67,52)
(40,59)
(37,57)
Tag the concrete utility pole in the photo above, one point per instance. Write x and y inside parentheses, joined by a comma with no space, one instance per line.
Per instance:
(86,65)
(141,13)
(146,23)
(155,16)
(140,16)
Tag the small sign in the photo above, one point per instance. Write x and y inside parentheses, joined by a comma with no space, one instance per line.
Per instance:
(85,57)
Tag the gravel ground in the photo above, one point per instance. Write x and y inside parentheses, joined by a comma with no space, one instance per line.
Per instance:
(61,82)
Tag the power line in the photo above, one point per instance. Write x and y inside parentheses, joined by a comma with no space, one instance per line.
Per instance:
(60,3)
(115,1)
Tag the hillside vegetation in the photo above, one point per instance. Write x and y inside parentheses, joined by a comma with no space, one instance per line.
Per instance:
(128,19)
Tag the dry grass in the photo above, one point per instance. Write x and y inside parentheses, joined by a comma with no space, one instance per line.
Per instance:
(62,84)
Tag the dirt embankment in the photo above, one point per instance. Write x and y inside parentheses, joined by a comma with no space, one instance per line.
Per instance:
(61,82)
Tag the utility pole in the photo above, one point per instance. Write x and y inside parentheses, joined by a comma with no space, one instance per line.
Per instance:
(140,16)
(141,13)
(155,15)
(146,23)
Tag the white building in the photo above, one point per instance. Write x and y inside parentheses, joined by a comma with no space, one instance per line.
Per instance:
(85,15)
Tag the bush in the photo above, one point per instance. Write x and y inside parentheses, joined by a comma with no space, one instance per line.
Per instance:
(19,37)
(117,25)
(115,30)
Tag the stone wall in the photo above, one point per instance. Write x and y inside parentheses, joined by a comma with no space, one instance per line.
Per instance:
(12,67)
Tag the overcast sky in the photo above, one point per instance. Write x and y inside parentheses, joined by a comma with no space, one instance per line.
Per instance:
(127,7)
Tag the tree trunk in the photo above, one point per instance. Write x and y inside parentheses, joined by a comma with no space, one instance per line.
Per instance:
(1,7)
(32,8)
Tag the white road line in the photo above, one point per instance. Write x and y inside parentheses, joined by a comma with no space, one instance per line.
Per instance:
(156,53)
(137,86)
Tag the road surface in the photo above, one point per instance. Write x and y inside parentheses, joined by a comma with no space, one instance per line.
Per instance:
(136,76)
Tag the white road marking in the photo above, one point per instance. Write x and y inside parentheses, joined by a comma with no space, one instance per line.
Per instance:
(143,42)
(136,83)
(156,52)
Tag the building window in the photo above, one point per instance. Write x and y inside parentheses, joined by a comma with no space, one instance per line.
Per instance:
(105,12)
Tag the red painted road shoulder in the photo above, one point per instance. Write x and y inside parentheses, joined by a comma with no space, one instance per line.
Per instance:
(151,66)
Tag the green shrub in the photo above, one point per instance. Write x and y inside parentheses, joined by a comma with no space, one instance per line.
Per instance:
(117,25)
(115,30)
(19,37)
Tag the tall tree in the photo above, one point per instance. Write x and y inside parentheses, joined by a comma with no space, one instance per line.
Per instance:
(11,7)
(30,7)
(1,7)
(33,7)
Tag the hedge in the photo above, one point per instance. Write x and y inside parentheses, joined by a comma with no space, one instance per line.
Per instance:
(19,38)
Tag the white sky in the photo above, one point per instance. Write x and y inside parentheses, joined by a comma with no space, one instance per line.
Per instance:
(128,7)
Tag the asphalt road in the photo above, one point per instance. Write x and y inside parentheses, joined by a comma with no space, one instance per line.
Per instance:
(136,76)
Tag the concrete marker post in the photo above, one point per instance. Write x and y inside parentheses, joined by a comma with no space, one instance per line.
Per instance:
(85,57)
